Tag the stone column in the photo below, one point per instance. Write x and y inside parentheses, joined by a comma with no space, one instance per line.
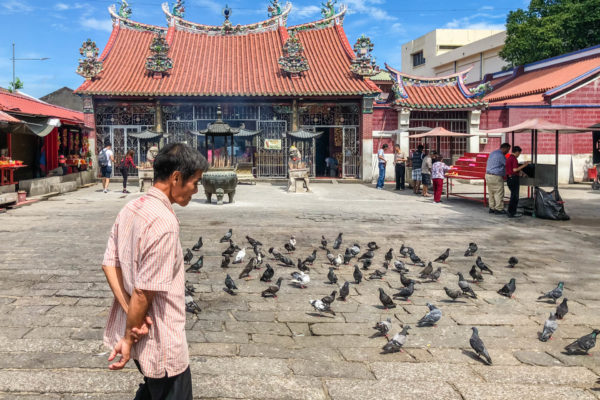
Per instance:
(89,119)
(402,137)
(366,136)
(473,129)
(295,116)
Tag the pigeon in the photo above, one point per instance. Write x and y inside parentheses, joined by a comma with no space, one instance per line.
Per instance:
(230,250)
(404,250)
(276,254)
(355,249)
(465,287)
(550,326)
(272,290)
(329,299)
(191,306)
(230,285)
(584,344)
(302,266)
(289,247)
(554,294)
(338,241)
(372,246)
(300,279)
(337,261)
(399,265)
(386,300)
(386,265)
(476,275)
(357,275)
(259,260)
(330,256)
(389,256)
(188,256)
(482,266)
(225,261)
(405,280)
(435,275)
(442,258)
(253,242)
(227,236)
(323,242)
(406,292)
(239,257)
(288,262)
(189,288)
(472,249)
(367,263)
(321,307)
(368,254)
(383,327)
(425,272)
(331,276)
(508,289)
(293,240)
(395,344)
(377,275)
(268,274)
(347,258)
(195,267)
(433,316)
(416,260)
(198,245)
(454,294)
(345,290)
(512,262)
(562,309)
(247,269)
(311,259)
(478,346)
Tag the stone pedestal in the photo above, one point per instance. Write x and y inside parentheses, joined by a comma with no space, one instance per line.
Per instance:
(146,177)
(298,180)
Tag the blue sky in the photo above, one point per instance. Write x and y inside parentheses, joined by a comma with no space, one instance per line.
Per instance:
(56,29)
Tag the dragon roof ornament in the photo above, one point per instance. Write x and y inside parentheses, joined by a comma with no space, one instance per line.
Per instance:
(335,19)
(126,23)
(274,22)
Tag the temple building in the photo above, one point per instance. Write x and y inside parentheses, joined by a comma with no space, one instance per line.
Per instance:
(301,85)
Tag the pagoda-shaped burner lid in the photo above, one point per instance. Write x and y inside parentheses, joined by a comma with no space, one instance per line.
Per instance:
(219,127)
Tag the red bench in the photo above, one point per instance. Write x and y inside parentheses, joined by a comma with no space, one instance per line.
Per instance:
(471,166)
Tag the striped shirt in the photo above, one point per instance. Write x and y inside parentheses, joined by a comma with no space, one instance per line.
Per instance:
(144,243)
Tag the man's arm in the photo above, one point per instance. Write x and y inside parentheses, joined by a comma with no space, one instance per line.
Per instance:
(526,163)
(114,277)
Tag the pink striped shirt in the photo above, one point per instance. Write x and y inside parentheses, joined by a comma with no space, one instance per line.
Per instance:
(144,243)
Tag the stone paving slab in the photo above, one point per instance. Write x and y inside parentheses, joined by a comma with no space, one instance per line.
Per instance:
(346,389)
(493,391)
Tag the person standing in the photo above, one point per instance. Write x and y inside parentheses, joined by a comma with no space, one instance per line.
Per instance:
(416,163)
(438,173)
(125,164)
(494,175)
(399,167)
(382,163)
(143,264)
(426,172)
(106,158)
(513,171)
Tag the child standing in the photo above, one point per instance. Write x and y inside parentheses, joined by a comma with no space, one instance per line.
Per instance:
(438,172)
(126,162)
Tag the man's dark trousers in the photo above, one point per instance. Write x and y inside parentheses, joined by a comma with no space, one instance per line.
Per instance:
(400,172)
(178,387)
(513,184)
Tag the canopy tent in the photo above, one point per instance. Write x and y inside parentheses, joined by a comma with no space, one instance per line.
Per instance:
(418,129)
(536,125)
(437,133)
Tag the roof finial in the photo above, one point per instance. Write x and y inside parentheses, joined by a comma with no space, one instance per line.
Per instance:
(274,8)
(124,10)
(293,61)
(328,9)
(364,63)
(178,9)
(159,63)
(89,67)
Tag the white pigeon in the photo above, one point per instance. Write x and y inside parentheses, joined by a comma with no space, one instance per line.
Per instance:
(321,307)
(384,327)
(293,241)
(239,257)
(355,249)
(330,257)
(337,261)
(300,279)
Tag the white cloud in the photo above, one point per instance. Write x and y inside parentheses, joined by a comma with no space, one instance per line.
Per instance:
(213,6)
(397,27)
(306,11)
(61,6)
(369,8)
(96,24)
(477,21)
(14,6)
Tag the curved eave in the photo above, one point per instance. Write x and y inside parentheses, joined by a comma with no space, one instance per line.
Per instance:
(222,94)
(442,107)
(117,19)
(338,19)
(459,75)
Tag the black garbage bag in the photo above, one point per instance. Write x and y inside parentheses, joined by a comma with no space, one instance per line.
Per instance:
(549,205)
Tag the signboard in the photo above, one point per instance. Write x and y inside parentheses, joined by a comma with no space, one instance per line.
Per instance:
(272,144)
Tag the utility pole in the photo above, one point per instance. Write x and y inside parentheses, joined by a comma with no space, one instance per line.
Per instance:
(14,79)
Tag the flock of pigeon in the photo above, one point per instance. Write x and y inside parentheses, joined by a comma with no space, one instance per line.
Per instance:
(301,279)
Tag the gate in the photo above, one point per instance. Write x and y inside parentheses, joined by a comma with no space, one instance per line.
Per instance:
(351,153)
(271,158)
(179,132)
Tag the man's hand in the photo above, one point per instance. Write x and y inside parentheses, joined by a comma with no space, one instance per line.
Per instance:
(137,333)
(124,349)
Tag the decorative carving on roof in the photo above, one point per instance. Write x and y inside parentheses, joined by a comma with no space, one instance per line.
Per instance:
(336,19)
(227,25)
(481,90)
(270,24)
(274,9)
(126,23)
(159,62)
(89,67)
(364,63)
(124,10)
(328,9)
(178,9)
(293,61)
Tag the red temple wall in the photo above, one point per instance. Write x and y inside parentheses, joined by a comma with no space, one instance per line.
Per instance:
(385,119)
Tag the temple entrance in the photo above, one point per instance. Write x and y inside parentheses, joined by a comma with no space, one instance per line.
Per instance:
(322,151)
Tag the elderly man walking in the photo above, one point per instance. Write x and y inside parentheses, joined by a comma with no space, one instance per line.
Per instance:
(143,264)
(494,175)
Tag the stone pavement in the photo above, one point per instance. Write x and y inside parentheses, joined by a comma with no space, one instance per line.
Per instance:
(54,300)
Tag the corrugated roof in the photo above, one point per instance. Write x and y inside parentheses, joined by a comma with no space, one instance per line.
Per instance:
(222,65)
(16,103)
(4,117)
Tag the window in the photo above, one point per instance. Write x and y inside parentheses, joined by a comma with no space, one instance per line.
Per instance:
(448,47)
(418,59)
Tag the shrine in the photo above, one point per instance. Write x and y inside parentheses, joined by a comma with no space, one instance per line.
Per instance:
(302,86)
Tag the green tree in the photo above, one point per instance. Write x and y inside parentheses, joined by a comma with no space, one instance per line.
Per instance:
(16,85)
(549,28)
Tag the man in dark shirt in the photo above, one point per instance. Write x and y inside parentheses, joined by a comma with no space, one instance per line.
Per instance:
(513,170)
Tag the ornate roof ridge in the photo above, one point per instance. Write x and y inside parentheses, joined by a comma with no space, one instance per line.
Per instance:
(126,23)
(267,25)
(459,75)
(336,19)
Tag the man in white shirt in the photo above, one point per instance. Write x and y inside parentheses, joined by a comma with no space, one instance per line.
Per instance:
(106,162)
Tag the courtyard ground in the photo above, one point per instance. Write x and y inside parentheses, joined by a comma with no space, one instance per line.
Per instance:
(54,300)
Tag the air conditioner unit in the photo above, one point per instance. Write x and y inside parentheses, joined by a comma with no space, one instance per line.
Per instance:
(483,140)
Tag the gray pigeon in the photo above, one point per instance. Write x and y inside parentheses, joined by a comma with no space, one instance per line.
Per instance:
(406,292)
(198,245)
(372,246)
(454,294)
(471,249)
(508,289)
(483,266)
(357,275)
(272,290)
(386,300)
(383,327)
(584,344)
(405,280)
(512,262)
(225,261)
(321,307)
(377,275)
(442,258)
(425,272)
(331,276)
(197,266)
(191,306)
(338,241)
(416,260)
(435,275)
(554,294)
(329,299)
(268,274)
(395,343)
(367,254)
(399,265)
(187,258)
(433,316)
(323,242)
(550,326)
(562,309)
(389,256)
(311,259)
(476,275)
(367,263)
(230,285)
(478,346)
(355,249)
(247,269)
(465,287)
(227,236)
(345,290)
